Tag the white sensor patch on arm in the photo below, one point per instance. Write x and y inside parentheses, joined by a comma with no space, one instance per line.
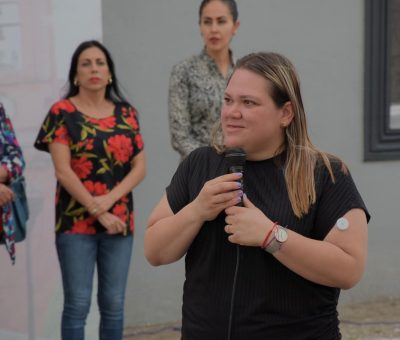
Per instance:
(342,223)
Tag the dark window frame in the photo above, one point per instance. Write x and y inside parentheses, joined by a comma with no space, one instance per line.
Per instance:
(380,141)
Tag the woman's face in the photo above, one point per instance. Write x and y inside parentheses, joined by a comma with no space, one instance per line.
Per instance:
(92,70)
(217,26)
(250,118)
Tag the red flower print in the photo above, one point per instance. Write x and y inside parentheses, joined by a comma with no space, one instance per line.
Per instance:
(139,141)
(87,144)
(83,227)
(119,210)
(132,122)
(61,135)
(120,147)
(107,123)
(132,222)
(95,188)
(64,105)
(82,166)
(104,123)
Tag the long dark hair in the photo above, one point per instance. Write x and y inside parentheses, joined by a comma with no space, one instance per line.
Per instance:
(113,92)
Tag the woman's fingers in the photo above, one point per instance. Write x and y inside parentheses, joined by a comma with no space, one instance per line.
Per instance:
(112,223)
(222,183)
(216,195)
(96,209)
(234,177)
(229,229)
(225,197)
(6,195)
(115,229)
(221,189)
(117,226)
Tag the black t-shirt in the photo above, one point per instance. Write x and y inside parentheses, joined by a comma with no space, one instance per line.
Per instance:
(270,301)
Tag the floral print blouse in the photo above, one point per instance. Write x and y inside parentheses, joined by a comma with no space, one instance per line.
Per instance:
(12,161)
(196,90)
(101,154)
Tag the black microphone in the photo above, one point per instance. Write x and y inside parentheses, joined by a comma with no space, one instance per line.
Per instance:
(236,158)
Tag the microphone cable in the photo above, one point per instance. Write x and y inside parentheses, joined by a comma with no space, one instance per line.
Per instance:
(233,292)
(236,158)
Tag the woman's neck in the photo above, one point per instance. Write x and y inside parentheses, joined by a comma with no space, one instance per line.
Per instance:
(266,152)
(92,99)
(93,104)
(222,59)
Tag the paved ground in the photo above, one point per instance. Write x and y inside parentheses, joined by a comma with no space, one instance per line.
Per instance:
(377,320)
(371,320)
(169,331)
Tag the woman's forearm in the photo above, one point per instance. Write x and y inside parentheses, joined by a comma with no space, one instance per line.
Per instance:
(132,179)
(323,262)
(71,182)
(168,239)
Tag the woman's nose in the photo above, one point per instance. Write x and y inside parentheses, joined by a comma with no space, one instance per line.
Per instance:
(236,113)
(214,27)
(94,68)
(232,111)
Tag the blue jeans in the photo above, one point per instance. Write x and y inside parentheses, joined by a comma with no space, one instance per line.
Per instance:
(78,254)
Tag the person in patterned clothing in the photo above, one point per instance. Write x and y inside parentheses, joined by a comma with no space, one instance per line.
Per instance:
(197,84)
(96,147)
(12,166)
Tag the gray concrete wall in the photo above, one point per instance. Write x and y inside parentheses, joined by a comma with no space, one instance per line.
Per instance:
(325,40)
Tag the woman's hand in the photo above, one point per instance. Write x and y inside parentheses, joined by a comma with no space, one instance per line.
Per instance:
(3,175)
(6,194)
(100,205)
(216,195)
(247,225)
(112,223)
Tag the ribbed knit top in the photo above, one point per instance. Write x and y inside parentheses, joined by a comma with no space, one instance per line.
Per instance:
(270,301)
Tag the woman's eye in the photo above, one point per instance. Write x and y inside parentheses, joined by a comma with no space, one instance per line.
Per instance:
(227,100)
(248,102)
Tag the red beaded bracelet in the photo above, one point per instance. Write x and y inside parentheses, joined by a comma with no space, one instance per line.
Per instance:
(264,243)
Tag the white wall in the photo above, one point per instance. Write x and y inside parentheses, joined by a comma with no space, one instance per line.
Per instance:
(43,36)
(324,39)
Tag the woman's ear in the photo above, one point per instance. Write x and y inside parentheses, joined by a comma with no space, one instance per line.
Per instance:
(287,114)
(236,26)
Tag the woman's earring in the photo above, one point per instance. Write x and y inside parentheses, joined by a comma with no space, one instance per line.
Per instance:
(110,81)
(76,82)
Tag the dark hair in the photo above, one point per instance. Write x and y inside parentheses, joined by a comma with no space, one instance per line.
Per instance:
(112,90)
(230,3)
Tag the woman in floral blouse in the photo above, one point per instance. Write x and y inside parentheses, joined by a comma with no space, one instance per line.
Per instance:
(96,147)
(197,83)
(12,165)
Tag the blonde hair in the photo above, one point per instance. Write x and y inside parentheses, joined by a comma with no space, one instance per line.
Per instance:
(301,155)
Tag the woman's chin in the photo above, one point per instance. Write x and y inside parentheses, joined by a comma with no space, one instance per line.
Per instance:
(233,144)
